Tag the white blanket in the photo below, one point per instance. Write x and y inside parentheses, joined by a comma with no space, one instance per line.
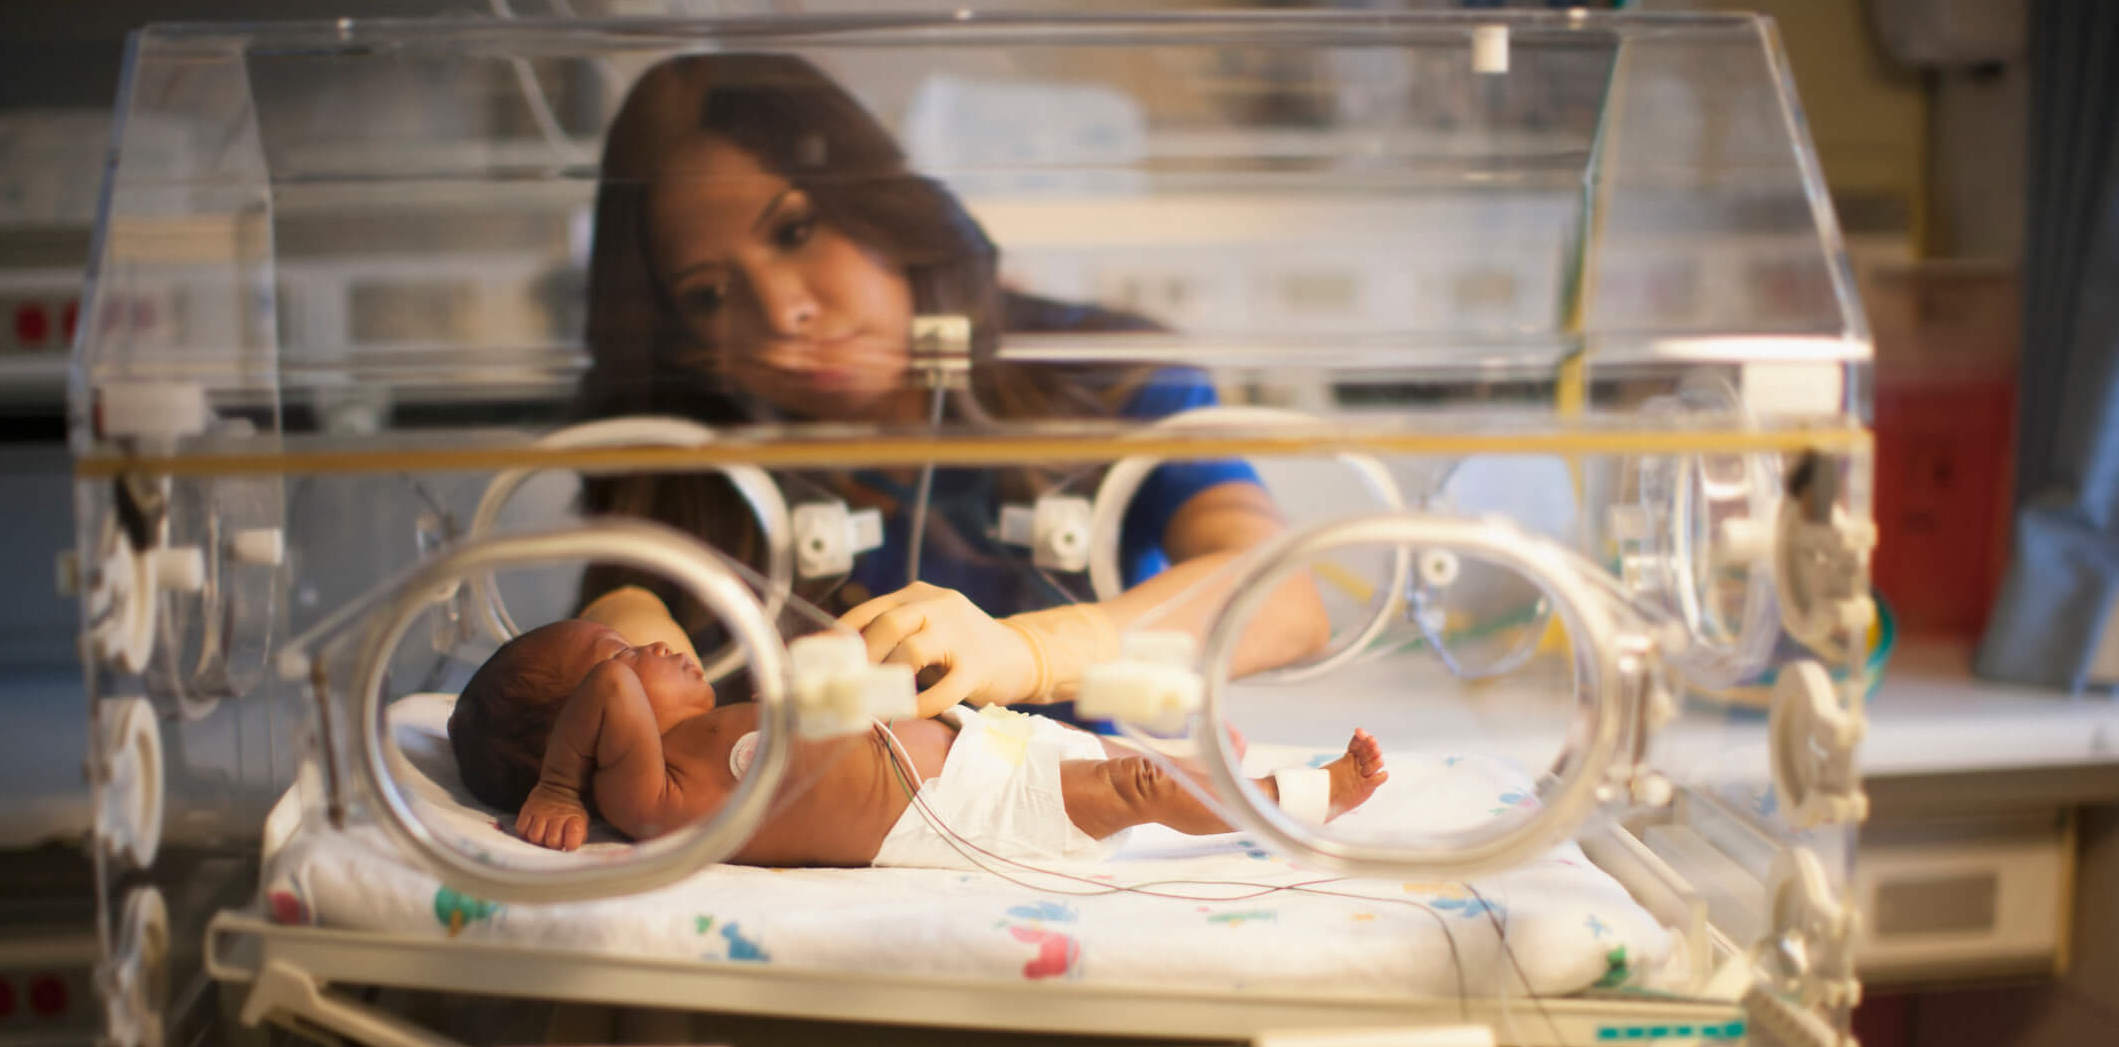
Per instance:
(1203,912)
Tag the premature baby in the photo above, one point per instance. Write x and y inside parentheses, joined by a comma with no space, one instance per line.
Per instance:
(570,715)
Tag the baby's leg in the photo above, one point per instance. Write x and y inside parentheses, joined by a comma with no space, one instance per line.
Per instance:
(1105,796)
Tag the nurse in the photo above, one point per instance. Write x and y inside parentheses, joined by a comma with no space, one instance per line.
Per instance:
(760,251)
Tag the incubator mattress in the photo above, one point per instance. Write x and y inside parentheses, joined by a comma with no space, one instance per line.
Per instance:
(1204,912)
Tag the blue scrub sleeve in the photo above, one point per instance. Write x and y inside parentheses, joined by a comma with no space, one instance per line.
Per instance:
(1171,484)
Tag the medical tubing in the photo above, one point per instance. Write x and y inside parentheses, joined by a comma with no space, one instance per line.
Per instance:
(633,543)
(1530,992)
(923,491)
(1124,479)
(1463,853)
(900,760)
(754,485)
(540,107)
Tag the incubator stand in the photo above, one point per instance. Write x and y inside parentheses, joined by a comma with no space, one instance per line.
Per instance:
(1537,328)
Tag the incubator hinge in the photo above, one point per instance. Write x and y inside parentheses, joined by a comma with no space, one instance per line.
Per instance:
(941,350)
(133,979)
(141,505)
(132,564)
(1806,962)
(282,991)
(1648,706)
(125,773)
(1821,565)
(1813,730)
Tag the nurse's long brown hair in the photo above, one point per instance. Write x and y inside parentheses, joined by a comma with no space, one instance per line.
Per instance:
(804,127)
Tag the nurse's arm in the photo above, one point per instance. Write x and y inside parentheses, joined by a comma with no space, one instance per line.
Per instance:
(640,617)
(1208,532)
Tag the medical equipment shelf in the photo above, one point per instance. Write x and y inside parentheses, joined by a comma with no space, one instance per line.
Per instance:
(245,948)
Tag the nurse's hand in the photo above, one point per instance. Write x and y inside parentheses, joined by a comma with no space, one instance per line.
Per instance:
(941,632)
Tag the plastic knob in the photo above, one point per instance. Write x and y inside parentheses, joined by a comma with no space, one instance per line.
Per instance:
(1060,533)
(1438,568)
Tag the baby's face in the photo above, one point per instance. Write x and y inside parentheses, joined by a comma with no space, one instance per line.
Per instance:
(675,684)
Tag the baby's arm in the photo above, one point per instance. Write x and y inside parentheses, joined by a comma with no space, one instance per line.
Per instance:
(607,730)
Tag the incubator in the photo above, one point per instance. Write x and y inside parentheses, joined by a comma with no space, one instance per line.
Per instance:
(1490,383)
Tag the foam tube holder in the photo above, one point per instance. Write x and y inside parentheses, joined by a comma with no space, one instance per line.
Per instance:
(1579,774)
(632,543)
(129,797)
(753,484)
(1123,480)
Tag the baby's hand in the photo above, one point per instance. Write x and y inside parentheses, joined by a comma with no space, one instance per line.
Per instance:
(553,818)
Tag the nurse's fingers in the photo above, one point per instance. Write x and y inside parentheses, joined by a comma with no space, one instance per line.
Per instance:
(892,628)
(859,618)
(921,650)
(948,691)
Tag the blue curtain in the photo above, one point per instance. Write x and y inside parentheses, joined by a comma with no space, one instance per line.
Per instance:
(2063,570)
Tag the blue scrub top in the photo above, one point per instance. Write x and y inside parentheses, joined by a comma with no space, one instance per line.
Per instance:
(962,552)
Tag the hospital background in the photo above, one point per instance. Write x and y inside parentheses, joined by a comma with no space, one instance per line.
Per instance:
(2001,772)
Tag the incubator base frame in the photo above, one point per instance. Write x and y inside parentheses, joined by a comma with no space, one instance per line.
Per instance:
(288,972)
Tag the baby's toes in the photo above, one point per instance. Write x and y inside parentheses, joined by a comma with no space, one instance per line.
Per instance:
(1367,753)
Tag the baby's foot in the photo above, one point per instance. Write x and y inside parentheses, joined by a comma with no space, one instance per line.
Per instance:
(1356,775)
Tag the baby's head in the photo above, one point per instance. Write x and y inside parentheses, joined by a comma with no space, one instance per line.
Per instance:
(506,711)
(505,714)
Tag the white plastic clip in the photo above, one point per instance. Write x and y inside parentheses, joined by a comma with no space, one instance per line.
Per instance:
(181,569)
(259,546)
(1490,49)
(941,348)
(828,536)
(1152,684)
(1056,528)
(837,692)
(155,410)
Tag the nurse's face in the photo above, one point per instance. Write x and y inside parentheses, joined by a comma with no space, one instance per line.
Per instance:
(797,313)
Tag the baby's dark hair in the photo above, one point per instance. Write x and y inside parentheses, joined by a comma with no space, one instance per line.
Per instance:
(504,717)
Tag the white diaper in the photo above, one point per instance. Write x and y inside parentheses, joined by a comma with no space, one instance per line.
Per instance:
(999,789)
